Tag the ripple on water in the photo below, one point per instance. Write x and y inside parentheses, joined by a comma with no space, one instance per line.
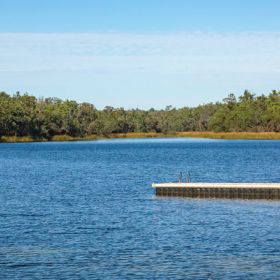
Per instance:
(86,210)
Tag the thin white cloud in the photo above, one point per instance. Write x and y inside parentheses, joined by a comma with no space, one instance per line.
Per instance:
(189,58)
(148,52)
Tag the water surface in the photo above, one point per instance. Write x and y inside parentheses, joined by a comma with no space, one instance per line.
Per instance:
(85,210)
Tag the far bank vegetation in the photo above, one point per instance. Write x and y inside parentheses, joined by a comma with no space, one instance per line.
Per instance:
(26,117)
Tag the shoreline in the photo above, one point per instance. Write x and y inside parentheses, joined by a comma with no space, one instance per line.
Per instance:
(132,135)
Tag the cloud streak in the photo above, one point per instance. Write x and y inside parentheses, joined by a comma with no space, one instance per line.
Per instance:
(95,51)
(188,58)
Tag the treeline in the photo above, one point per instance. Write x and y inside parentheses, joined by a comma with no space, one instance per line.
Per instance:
(25,115)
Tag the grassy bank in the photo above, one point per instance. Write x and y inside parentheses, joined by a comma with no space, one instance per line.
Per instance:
(210,135)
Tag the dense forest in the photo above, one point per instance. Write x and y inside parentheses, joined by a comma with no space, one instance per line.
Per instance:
(25,115)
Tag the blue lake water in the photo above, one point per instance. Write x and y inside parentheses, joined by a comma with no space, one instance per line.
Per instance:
(86,210)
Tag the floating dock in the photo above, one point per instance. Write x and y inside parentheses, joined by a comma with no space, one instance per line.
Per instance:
(219,190)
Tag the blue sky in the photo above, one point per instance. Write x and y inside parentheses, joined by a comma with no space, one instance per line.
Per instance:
(139,15)
(139,53)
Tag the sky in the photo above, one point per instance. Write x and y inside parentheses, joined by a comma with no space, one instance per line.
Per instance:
(140,53)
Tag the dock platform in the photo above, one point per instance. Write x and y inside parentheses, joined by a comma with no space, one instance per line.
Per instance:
(219,190)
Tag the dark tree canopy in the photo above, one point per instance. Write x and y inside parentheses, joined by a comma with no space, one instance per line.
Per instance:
(25,115)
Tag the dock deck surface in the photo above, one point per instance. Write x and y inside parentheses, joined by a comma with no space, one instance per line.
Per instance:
(218,185)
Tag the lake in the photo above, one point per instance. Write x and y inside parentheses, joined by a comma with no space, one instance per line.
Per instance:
(86,210)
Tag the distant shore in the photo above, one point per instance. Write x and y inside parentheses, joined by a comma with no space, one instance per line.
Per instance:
(131,135)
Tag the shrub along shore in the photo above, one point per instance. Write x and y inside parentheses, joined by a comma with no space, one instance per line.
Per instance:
(131,135)
(25,118)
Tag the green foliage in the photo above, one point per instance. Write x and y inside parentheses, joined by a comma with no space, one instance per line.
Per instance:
(250,113)
(26,116)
